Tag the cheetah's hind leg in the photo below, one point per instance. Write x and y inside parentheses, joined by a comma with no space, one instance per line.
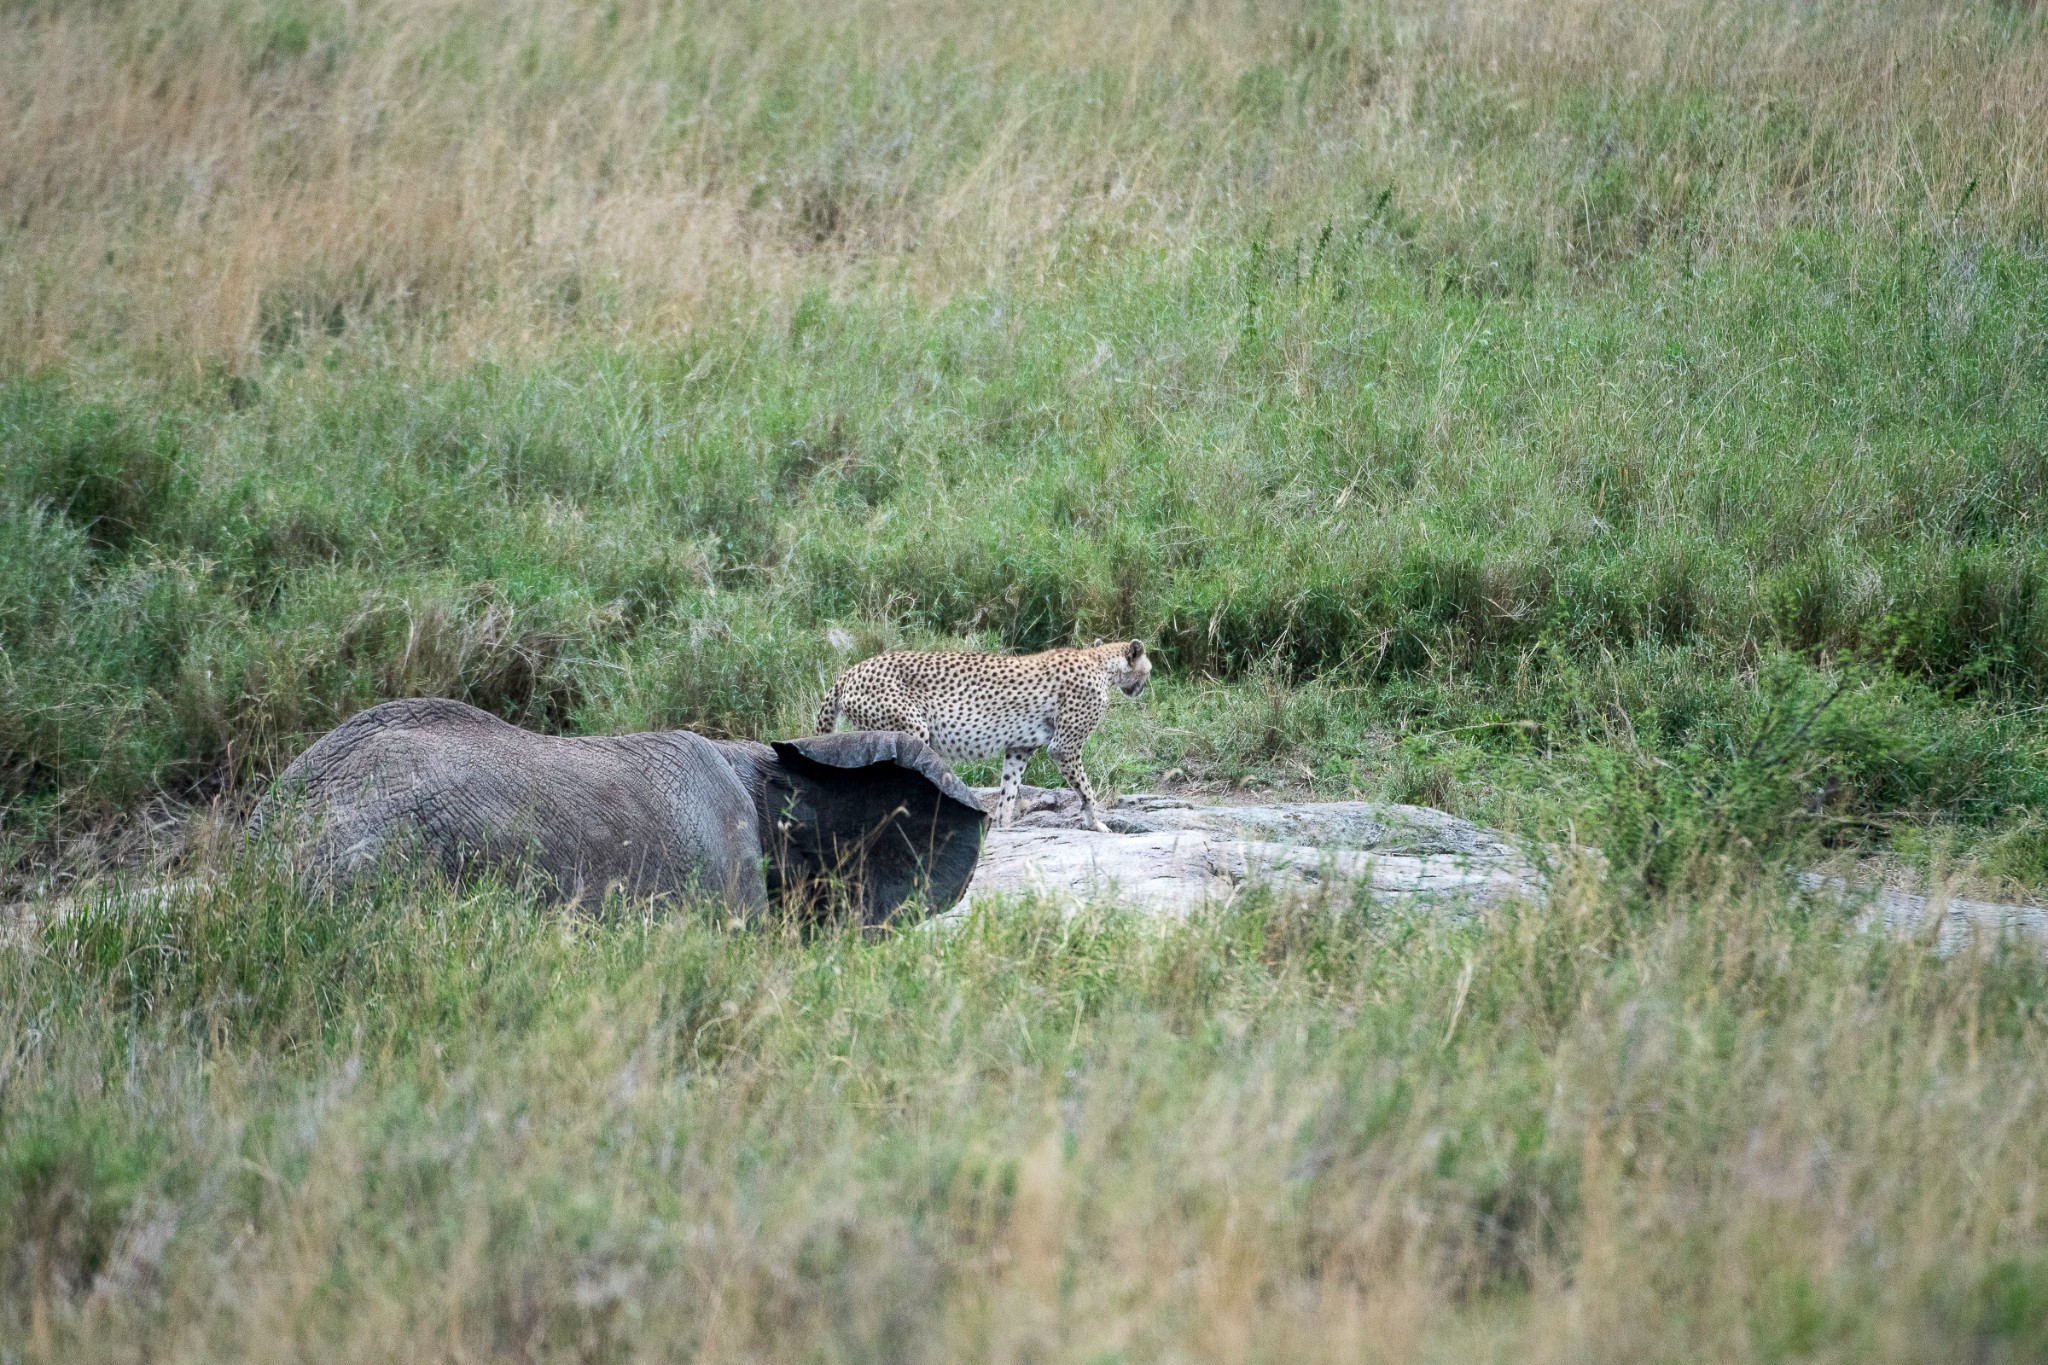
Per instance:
(1013,778)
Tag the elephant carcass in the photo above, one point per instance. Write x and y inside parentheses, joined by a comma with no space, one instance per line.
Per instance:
(869,816)
(871,819)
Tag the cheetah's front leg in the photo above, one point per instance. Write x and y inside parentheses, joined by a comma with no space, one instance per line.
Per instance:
(1013,778)
(1069,763)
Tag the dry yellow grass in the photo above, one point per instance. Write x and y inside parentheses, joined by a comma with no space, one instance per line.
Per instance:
(180,181)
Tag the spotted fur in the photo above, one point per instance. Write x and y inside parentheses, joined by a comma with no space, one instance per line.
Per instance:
(968,705)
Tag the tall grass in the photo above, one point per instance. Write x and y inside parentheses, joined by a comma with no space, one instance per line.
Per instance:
(421,1125)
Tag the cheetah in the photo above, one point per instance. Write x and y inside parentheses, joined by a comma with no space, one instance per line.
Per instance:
(971,705)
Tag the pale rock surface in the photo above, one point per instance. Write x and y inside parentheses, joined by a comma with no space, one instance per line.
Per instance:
(1953,923)
(1169,855)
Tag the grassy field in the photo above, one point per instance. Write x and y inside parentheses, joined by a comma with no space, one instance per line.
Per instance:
(1622,423)
(429,1127)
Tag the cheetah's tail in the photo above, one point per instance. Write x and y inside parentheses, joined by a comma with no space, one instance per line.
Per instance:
(828,712)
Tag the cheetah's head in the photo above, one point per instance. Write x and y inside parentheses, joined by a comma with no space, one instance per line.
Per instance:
(1130,669)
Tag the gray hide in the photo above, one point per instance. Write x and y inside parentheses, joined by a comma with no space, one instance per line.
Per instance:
(870,818)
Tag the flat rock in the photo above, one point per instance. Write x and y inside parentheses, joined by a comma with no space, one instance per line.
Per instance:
(1169,855)
(1953,923)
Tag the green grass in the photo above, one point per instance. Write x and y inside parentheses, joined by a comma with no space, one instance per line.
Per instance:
(1517,410)
(1622,423)
(1366,524)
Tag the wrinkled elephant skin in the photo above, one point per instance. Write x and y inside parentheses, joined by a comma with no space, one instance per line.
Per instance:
(875,819)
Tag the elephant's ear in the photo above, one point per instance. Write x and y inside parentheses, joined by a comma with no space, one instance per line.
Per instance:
(881,816)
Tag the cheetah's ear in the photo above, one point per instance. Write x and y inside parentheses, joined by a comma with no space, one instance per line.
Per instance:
(1097,644)
(1136,651)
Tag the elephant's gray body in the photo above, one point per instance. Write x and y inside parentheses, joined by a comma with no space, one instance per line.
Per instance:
(876,816)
